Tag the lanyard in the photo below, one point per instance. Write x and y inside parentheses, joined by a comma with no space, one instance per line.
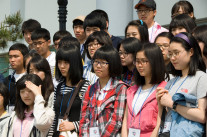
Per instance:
(11,79)
(141,105)
(180,84)
(63,97)
(82,48)
(21,129)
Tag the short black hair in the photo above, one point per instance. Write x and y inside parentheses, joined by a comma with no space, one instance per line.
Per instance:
(142,28)
(60,34)
(5,94)
(67,41)
(200,34)
(77,22)
(103,13)
(30,25)
(95,20)
(111,55)
(182,20)
(196,61)
(156,61)
(70,54)
(21,47)
(168,35)
(102,37)
(40,33)
(186,6)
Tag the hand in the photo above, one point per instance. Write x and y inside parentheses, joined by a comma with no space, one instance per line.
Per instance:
(35,89)
(66,126)
(160,92)
(166,100)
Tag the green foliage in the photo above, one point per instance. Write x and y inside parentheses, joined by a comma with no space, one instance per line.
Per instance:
(10,29)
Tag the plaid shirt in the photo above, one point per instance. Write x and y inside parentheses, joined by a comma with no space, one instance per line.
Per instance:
(108,115)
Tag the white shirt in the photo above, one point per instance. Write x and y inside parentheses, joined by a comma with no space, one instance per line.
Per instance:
(51,60)
(18,76)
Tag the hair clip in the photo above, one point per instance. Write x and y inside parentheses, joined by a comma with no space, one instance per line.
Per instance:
(141,22)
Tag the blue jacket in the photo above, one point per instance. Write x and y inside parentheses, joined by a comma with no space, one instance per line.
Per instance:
(181,126)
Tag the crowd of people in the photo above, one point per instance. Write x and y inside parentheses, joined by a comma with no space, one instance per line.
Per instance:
(149,84)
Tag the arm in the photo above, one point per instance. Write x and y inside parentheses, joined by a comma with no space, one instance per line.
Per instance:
(124,132)
(115,122)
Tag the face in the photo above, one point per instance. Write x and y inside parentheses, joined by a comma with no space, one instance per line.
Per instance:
(177,30)
(146,14)
(143,65)
(90,30)
(126,58)
(27,97)
(56,44)
(181,11)
(164,44)
(33,70)
(79,32)
(42,46)
(63,67)
(27,37)
(92,47)
(16,59)
(179,57)
(133,31)
(101,68)
(1,101)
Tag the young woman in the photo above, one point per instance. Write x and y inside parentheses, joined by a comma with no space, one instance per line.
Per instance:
(137,29)
(182,7)
(31,117)
(190,78)
(4,101)
(200,33)
(141,113)
(163,41)
(69,68)
(127,49)
(182,23)
(103,105)
(94,42)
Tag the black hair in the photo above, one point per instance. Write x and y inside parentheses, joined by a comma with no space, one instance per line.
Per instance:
(77,22)
(168,35)
(103,13)
(32,53)
(182,20)
(4,92)
(111,55)
(156,61)
(142,28)
(20,106)
(67,41)
(186,6)
(196,61)
(30,25)
(41,64)
(60,34)
(101,36)
(70,54)
(200,34)
(130,45)
(95,20)
(40,33)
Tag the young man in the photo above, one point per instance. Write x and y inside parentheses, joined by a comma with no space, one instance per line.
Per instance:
(115,40)
(41,42)
(146,10)
(27,28)
(79,31)
(58,36)
(16,60)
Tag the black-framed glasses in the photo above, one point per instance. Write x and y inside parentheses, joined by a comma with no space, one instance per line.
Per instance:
(94,45)
(145,11)
(125,54)
(163,46)
(38,43)
(102,63)
(141,61)
(174,54)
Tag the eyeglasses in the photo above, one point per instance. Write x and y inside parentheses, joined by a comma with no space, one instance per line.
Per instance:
(39,43)
(174,54)
(102,63)
(146,11)
(141,61)
(125,54)
(163,46)
(94,45)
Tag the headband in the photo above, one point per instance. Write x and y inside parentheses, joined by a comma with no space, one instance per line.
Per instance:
(184,37)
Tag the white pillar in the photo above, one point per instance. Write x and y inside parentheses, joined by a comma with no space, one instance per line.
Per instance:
(119,12)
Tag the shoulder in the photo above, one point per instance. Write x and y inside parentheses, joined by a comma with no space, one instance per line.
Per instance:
(160,28)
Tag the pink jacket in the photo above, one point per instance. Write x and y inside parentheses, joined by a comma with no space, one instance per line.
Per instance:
(148,114)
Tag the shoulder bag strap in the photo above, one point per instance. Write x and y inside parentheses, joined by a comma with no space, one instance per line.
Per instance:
(73,98)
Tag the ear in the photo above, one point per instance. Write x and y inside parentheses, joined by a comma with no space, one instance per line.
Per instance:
(155,12)
(49,42)
(107,25)
(191,52)
(191,14)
